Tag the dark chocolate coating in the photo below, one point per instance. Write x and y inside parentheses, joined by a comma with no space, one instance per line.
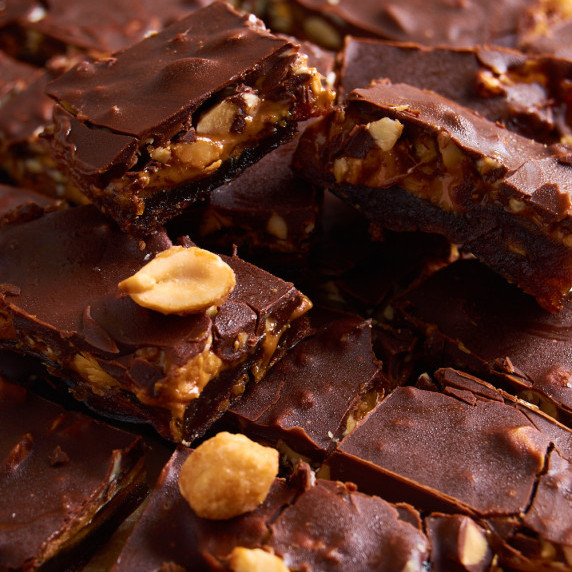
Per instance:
(480,216)
(152,89)
(18,204)
(58,469)
(333,527)
(306,398)
(400,449)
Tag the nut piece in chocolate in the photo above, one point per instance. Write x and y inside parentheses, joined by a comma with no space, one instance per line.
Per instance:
(227,475)
(181,281)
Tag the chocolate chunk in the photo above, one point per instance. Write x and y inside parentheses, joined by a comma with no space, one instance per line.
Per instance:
(125,360)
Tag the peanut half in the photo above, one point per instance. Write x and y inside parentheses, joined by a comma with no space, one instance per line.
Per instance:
(181,281)
(227,475)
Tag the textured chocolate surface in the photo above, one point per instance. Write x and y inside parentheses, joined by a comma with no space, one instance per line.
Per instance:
(60,290)
(506,194)
(14,76)
(317,524)
(438,23)
(310,417)
(527,94)
(400,449)
(59,469)
(474,320)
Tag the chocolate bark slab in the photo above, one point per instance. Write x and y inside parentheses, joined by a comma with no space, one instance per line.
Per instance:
(65,480)
(61,302)
(309,523)
(413,160)
(435,23)
(152,129)
(470,318)
(527,94)
(18,204)
(404,447)
(315,393)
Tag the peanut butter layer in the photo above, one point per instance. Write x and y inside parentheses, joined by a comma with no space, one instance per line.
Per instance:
(149,130)
(64,480)
(61,302)
(413,160)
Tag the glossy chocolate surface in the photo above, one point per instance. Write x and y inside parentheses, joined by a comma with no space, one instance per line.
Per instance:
(400,449)
(152,89)
(60,277)
(437,23)
(308,523)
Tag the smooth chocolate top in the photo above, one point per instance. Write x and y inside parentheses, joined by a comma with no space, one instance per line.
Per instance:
(529,102)
(484,456)
(306,398)
(499,325)
(55,467)
(438,22)
(152,88)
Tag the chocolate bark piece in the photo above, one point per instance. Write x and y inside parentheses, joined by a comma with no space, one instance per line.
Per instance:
(527,94)
(413,160)
(437,23)
(315,393)
(267,212)
(170,533)
(536,539)
(39,30)
(363,530)
(60,301)
(401,448)
(471,319)
(155,127)
(66,481)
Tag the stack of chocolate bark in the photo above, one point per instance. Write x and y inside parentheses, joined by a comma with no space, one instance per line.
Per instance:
(343,231)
